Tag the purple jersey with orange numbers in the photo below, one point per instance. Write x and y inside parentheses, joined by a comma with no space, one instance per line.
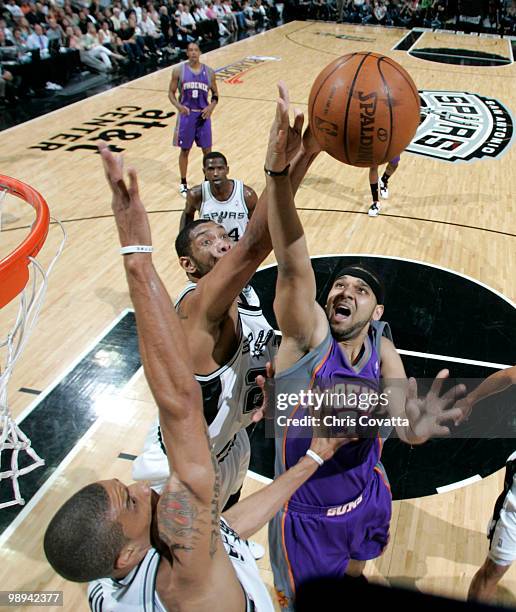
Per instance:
(343,511)
(194,87)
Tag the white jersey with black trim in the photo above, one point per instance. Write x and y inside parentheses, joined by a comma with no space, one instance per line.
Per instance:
(231,213)
(230,393)
(137,591)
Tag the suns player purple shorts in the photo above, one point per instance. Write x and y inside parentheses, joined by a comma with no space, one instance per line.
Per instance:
(193,128)
(319,542)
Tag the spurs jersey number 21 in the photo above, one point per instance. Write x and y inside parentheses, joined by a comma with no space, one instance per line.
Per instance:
(231,213)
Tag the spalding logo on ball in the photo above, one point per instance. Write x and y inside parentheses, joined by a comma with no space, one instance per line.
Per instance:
(364,109)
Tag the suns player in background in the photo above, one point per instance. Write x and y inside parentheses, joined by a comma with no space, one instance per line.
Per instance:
(501,531)
(340,518)
(194,82)
(225,201)
(380,186)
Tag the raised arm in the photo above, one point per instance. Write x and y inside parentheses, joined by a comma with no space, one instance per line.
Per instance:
(193,204)
(188,516)
(301,320)
(217,291)
(496,383)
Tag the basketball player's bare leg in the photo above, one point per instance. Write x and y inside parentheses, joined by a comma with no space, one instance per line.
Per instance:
(383,184)
(375,207)
(484,583)
(183,169)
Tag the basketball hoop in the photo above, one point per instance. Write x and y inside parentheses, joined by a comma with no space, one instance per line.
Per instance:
(21,277)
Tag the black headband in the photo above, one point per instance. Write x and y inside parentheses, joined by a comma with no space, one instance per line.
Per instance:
(368,276)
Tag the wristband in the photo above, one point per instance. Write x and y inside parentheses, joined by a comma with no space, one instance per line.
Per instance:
(315,456)
(214,98)
(136,248)
(284,172)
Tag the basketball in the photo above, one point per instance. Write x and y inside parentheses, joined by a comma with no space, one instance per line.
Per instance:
(364,109)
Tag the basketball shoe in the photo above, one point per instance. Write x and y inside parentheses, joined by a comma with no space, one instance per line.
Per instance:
(374,209)
(183,190)
(384,189)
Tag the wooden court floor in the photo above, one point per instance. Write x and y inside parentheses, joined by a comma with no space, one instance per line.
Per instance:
(458,216)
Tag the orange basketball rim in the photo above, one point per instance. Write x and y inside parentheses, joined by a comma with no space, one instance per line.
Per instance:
(14,268)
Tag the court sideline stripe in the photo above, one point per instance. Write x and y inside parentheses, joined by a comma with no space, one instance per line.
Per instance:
(331,210)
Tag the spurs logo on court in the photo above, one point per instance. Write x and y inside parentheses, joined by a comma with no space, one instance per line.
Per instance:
(367,117)
(232,73)
(462,127)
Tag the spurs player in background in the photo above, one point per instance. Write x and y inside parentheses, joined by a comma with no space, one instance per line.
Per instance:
(228,337)
(194,81)
(140,551)
(226,201)
(340,518)
(502,526)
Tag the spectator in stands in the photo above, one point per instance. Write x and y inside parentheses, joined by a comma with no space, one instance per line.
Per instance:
(54,31)
(94,54)
(380,12)
(229,16)
(153,39)
(37,40)
(14,9)
(20,43)
(207,27)
(6,79)
(131,46)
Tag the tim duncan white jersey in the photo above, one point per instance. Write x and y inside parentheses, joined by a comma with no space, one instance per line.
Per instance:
(230,395)
(136,592)
(231,213)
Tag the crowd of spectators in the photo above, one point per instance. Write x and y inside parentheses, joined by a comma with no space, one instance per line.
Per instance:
(482,15)
(106,34)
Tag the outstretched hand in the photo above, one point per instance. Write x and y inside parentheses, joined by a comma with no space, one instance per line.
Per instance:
(427,414)
(130,215)
(265,410)
(284,140)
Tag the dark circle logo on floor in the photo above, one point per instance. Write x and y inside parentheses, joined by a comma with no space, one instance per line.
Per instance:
(461,57)
(461,127)
(440,319)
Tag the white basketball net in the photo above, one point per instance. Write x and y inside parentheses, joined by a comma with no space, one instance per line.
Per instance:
(30,300)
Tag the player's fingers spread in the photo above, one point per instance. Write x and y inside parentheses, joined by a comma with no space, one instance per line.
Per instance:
(299,119)
(454,394)
(442,431)
(412,389)
(133,181)
(283,92)
(438,382)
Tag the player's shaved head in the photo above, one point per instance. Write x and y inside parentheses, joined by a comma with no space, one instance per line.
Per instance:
(82,543)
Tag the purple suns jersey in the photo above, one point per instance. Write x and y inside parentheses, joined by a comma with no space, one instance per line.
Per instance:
(355,389)
(194,87)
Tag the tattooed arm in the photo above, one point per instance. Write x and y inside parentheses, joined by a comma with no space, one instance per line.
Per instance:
(188,514)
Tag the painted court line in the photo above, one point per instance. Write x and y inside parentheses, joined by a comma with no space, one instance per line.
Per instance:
(259,477)
(487,364)
(459,484)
